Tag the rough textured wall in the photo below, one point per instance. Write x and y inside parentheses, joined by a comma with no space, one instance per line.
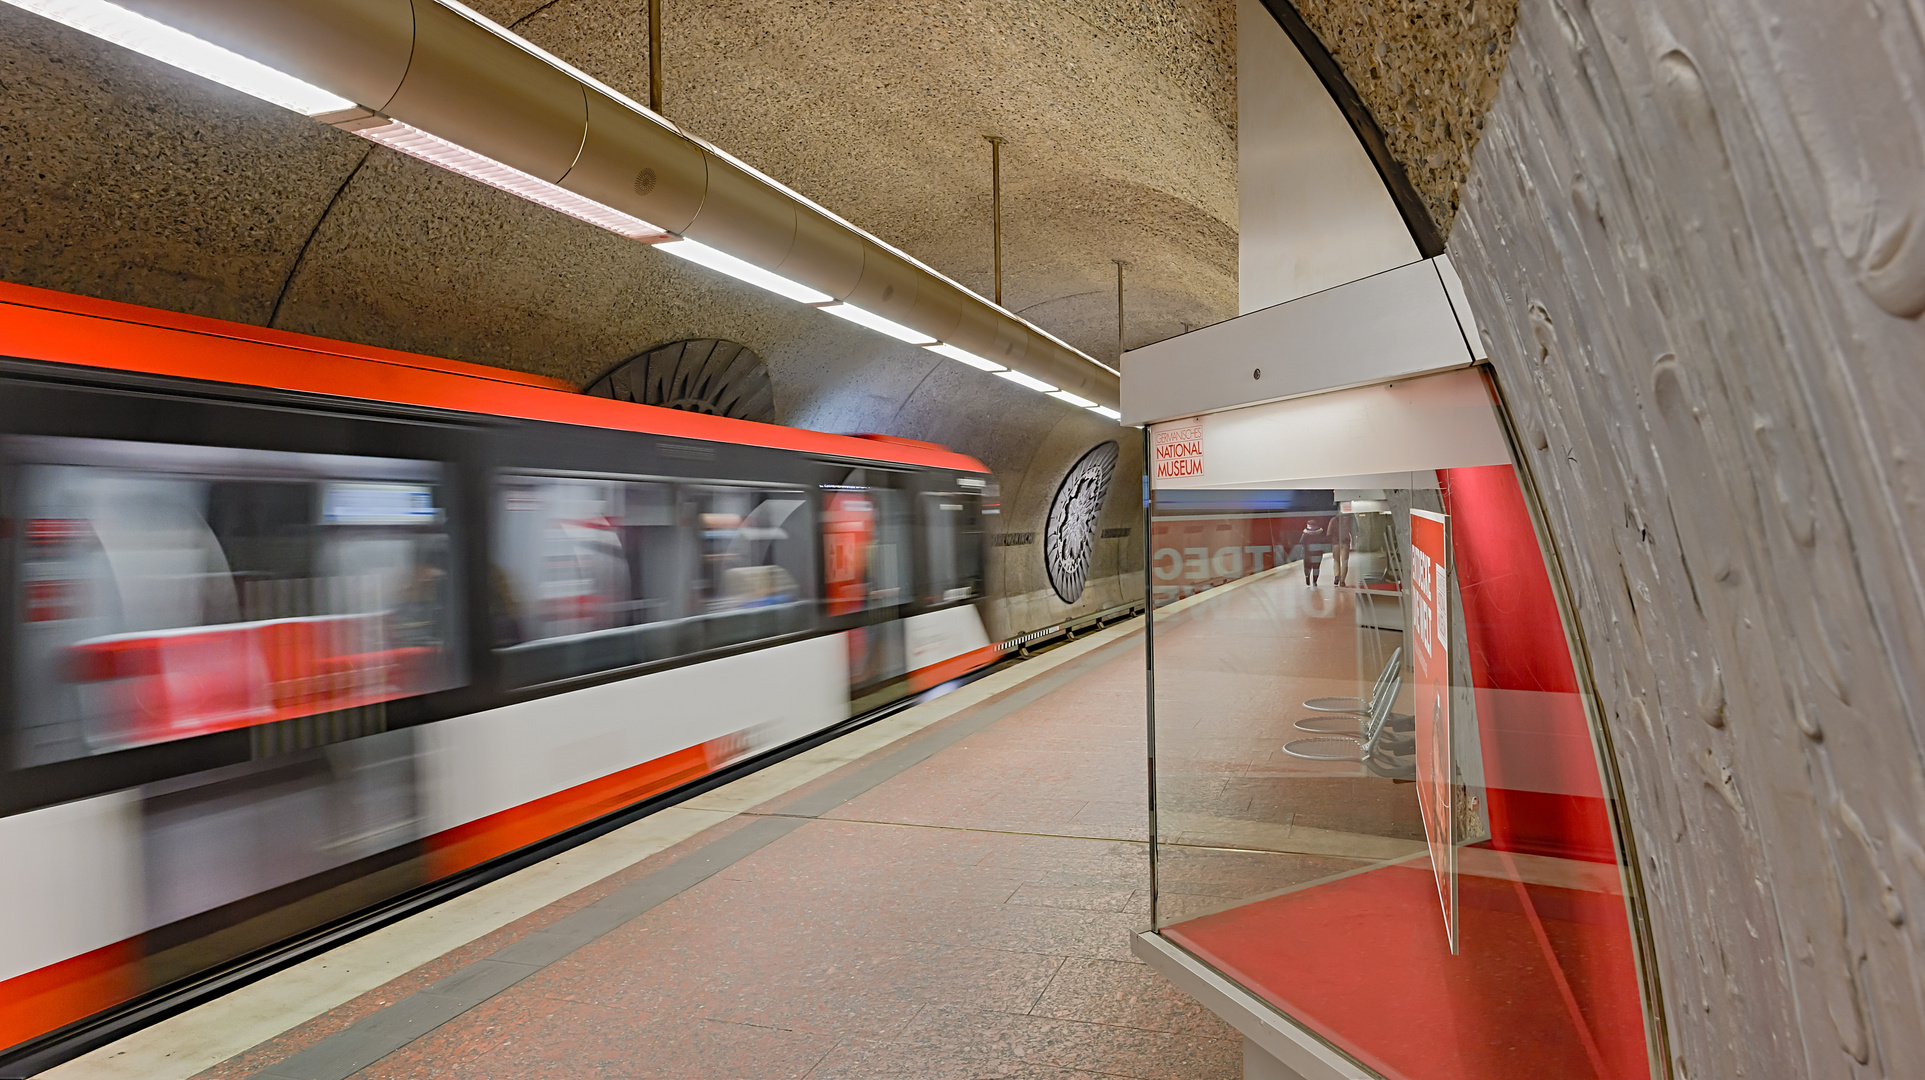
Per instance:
(1428,70)
(1695,234)
(130,180)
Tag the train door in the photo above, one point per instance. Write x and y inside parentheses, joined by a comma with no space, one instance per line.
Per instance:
(866,573)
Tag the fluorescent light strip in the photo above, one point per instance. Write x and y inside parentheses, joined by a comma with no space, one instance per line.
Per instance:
(1074,399)
(964,356)
(877,323)
(703,255)
(1021,379)
(1101,411)
(143,35)
(435,150)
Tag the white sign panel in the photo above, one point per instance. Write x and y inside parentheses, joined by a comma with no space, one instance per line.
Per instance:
(1177,452)
(1436,422)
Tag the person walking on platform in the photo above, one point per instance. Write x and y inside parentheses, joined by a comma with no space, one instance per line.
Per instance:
(1311,539)
(1341,535)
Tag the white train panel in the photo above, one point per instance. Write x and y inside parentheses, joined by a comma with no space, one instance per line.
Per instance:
(936,636)
(487,762)
(74,881)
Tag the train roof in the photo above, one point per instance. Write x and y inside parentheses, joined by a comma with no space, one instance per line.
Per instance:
(43,324)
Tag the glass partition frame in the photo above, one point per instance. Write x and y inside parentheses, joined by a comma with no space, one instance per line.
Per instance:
(1171,722)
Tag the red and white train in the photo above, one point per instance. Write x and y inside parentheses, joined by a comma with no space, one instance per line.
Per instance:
(298,626)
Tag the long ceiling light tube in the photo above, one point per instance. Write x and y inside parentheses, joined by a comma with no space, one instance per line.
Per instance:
(1027,381)
(111,22)
(703,255)
(863,317)
(964,356)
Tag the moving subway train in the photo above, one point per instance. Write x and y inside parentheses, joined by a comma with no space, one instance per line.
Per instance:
(298,626)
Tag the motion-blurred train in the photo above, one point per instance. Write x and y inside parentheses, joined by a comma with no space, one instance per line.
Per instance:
(298,626)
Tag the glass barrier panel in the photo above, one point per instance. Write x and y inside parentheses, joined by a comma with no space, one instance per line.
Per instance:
(1379,807)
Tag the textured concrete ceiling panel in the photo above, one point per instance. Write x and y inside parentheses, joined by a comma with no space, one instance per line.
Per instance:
(1118,121)
(1692,237)
(1428,70)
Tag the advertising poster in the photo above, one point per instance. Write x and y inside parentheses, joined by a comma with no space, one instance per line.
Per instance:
(1430,681)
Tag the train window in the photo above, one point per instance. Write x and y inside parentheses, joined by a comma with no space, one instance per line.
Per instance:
(754,579)
(594,575)
(583,567)
(952,536)
(864,556)
(576,556)
(167,591)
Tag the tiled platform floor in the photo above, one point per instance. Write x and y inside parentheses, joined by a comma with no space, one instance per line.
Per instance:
(967,918)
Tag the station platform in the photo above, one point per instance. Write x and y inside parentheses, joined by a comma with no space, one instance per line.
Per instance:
(949,892)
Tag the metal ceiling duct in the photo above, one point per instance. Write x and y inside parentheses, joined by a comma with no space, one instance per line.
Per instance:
(437,68)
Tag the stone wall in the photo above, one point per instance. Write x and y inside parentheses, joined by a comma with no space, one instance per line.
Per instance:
(1695,235)
(1428,70)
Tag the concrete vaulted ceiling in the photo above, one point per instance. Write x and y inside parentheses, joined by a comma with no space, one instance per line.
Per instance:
(1118,121)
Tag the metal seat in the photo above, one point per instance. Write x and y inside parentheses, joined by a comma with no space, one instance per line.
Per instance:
(1350,717)
(1337,704)
(1332,724)
(1325,748)
(1362,745)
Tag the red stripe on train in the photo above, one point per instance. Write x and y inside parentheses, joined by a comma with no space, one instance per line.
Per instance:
(499,833)
(944,670)
(41,1000)
(40,324)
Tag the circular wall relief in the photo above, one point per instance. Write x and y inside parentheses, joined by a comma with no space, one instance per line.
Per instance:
(706,375)
(1069,535)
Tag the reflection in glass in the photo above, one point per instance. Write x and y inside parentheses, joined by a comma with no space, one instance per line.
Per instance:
(576,556)
(1293,853)
(863,551)
(865,559)
(752,551)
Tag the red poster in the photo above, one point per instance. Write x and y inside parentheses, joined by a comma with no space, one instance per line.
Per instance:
(1430,681)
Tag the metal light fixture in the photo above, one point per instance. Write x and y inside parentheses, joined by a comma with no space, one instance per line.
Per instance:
(435,150)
